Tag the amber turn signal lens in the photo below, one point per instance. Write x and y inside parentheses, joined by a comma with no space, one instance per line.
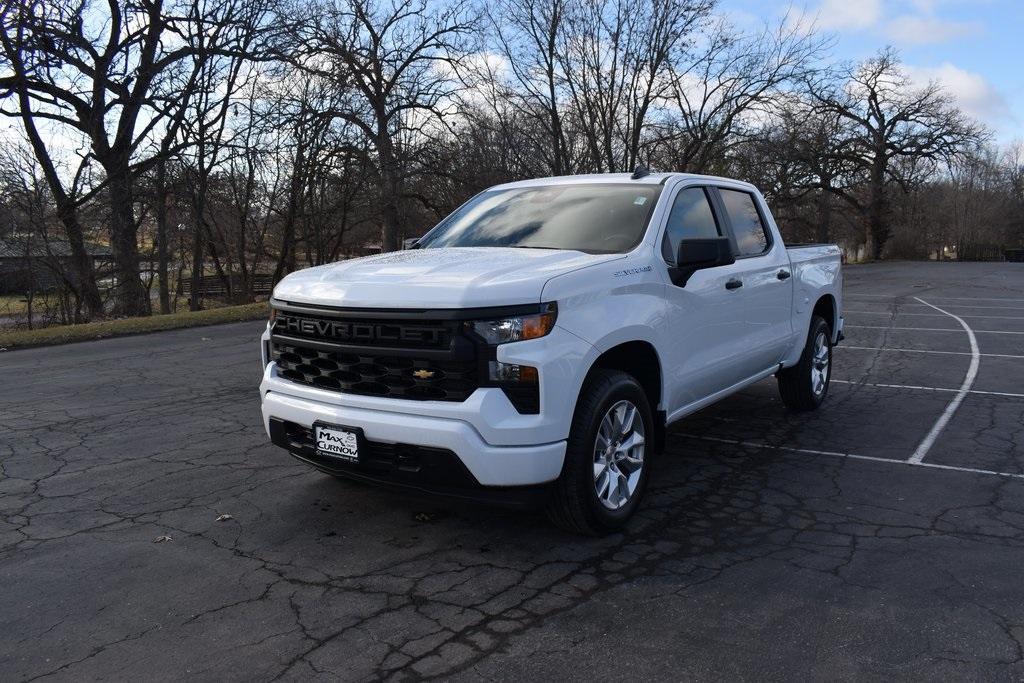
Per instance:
(516,328)
(535,326)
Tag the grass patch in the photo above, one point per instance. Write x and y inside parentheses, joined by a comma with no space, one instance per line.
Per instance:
(17,304)
(64,334)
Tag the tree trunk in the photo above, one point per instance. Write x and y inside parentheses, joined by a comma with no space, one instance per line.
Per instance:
(284,259)
(297,184)
(824,227)
(130,296)
(878,228)
(84,279)
(559,166)
(84,286)
(390,220)
(198,257)
(161,236)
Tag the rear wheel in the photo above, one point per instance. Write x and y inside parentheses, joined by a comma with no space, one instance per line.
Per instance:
(608,454)
(804,386)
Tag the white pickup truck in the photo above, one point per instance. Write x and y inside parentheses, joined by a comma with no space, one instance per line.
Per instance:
(534,346)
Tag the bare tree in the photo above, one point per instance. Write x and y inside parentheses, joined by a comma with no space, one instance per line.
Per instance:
(812,144)
(531,35)
(733,80)
(394,62)
(220,75)
(111,76)
(892,121)
(617,59)
(34,100)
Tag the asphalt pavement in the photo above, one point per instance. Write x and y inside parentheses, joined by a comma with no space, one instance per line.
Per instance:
(149,531)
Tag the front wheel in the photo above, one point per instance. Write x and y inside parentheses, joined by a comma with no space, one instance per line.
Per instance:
(607,458)
(804,386)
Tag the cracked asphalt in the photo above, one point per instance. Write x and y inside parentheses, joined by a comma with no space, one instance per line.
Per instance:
(772,546)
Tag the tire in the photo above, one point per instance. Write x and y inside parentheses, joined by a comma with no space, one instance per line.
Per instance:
(804,386)
(576,505)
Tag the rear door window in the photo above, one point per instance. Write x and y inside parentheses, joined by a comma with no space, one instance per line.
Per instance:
(691,217)
(751,234)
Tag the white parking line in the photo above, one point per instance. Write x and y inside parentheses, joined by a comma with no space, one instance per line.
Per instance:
(950,353)
(971,306)
(855,456)
(951,298)
(920,388)
(926,329)
(939,315)
(947,414)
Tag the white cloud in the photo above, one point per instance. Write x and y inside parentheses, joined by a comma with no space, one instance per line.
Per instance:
(919,30)
(842,14)
(741,19)
(975,95)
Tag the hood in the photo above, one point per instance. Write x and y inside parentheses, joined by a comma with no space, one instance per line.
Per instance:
(468,277)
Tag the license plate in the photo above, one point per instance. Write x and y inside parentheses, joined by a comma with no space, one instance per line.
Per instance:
(336,442)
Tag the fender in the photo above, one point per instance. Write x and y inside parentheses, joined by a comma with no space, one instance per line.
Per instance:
(631,309)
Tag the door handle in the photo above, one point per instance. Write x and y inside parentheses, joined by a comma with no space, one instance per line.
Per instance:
(734,284)
(783,274)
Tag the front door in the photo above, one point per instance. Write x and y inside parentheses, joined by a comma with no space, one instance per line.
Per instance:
(704,333)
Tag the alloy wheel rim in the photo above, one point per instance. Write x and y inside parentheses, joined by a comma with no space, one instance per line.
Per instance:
(819,365)
(618,455)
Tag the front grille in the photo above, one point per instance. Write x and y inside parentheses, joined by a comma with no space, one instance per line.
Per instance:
(371,374)
(370,353)
(424,355)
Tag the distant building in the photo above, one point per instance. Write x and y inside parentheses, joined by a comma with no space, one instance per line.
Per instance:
(33,263)
(357,250)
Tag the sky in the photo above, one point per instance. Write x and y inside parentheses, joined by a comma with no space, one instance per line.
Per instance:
(975,48)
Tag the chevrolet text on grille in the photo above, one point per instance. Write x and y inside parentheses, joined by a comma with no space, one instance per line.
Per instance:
(369,332)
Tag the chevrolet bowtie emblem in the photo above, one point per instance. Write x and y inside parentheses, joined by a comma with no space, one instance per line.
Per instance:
(423,374)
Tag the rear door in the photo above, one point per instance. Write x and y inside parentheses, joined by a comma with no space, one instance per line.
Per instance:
(763,299)
(704,344)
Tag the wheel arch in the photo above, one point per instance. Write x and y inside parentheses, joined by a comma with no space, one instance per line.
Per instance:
(826,308)
(639,359)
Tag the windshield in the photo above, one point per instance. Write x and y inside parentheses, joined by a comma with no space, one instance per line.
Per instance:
(594,218)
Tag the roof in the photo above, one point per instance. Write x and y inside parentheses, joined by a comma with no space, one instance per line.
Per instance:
(627,178)
(16,247)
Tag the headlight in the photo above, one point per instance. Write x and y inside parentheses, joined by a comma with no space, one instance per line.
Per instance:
(517,328)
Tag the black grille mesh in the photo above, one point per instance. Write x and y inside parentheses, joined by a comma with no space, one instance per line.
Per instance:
(376,375)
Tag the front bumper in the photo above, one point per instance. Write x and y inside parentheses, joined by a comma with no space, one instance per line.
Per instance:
(497,445)
(488,465)
(435,471)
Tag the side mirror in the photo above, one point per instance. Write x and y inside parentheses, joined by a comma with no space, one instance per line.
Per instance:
(410,243)
(698,254)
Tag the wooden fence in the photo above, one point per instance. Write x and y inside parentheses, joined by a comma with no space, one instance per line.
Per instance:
(215,286)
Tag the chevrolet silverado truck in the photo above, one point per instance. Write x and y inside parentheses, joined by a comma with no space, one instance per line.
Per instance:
(533,347)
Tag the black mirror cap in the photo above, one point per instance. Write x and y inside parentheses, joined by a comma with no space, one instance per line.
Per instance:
(698,254)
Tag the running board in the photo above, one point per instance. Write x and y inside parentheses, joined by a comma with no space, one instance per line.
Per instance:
(717,396)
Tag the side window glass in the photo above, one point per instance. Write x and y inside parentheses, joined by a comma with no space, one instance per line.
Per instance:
(751,236)
(690,218)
